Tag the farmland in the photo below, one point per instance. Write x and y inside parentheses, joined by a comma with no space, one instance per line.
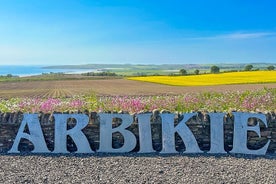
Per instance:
(252,77)
(211,92)
(109,87)
(132,96)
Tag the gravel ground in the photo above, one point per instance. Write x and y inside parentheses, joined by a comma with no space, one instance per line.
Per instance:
(135,168)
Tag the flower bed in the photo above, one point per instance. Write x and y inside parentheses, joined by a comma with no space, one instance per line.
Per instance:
(261,100)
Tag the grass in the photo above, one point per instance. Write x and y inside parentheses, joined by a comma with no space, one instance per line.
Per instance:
(252,77)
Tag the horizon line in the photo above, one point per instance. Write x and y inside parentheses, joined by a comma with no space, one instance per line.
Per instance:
(215,63)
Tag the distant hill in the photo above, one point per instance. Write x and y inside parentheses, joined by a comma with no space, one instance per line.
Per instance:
(163,69)
(162,66)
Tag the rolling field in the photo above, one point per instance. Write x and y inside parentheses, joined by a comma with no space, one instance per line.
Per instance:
(252,77)
(109,87)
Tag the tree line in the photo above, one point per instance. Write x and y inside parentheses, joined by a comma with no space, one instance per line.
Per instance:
(215,69)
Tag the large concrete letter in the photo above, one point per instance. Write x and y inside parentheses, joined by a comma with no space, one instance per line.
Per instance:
(240,133)
(75,133)
(169,130)
(35,136)
(106,132)
(216,133)
(145,137)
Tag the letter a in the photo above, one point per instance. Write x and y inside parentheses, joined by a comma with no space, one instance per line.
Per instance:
(35,136)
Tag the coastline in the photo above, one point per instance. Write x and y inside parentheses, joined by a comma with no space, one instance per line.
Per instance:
(33,70)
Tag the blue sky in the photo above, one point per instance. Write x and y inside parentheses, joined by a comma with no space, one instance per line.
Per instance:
(53,32)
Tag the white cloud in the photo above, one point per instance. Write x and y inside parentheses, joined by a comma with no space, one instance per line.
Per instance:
(248,35)
(239,36)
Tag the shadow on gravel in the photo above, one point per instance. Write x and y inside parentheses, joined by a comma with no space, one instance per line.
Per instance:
(148,155)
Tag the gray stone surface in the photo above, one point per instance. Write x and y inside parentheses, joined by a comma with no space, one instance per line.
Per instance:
(136,168)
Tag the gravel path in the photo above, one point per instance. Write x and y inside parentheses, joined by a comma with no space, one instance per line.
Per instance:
(134,168)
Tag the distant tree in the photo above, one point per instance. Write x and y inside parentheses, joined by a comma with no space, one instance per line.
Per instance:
(271,67)
(9,75)
(196,71)
(99,74)
(156,74)
(172,74)
(183,72)
(215,69)
(248,67)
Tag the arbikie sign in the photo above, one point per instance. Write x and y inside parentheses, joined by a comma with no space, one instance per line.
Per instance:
(144,138)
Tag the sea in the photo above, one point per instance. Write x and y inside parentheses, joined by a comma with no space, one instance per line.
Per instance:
(31,70)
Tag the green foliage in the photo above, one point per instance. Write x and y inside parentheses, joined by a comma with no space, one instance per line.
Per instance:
(248,67)
(140,74)
(183,72)
(99,74)
(271,67)
(215,69)
(196,71)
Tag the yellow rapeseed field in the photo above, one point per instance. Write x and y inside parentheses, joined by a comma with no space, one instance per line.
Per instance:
(251,77)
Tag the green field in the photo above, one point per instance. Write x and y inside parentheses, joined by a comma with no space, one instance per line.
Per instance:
(164,69)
